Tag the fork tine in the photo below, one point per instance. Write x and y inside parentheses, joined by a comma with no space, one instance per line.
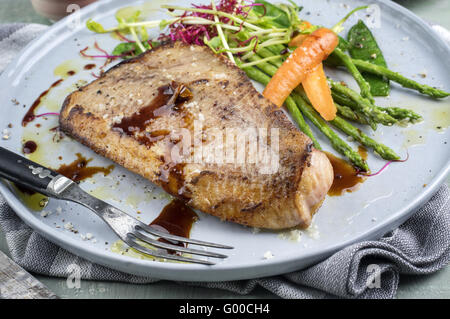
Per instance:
(167,236)
(154,253)
(156,243)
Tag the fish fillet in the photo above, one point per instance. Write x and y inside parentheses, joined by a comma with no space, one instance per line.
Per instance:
(188,120)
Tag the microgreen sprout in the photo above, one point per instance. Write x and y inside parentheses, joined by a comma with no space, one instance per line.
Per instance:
(338,28)
(47,114)
(221,35)
(244,65)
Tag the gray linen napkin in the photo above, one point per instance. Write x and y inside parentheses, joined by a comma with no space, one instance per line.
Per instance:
(420,246)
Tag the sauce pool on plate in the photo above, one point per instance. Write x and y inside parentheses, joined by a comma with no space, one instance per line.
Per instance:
(89,66)
(29,147)
(78,169)
(346,177)
(176,218)
(30,116)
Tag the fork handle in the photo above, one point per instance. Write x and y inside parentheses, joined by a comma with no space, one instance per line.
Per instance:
(24,172)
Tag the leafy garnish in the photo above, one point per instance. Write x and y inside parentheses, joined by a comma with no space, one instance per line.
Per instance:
(213,43)
(95,26)
(127,49)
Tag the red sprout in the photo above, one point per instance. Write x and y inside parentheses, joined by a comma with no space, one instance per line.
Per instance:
(97,76)
(46,114)
(257,5)
(240,27)
(123,38)
(248,40)
(108,56)
(149,43)
(386,165)
(108,59)
(194,34)
(100,49)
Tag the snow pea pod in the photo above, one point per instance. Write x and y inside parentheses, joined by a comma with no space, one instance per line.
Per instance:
(270,10)
(363,46)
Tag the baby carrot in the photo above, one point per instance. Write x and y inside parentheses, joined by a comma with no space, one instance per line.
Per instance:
(319,93)
(315,83)
(312,51)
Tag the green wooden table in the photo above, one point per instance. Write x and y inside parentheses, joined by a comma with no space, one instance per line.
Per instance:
(432,286)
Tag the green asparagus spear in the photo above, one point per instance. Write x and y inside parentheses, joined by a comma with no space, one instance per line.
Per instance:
(381,149)
(368,67)
(268,52)
(398,113)
(264,66)
(348,113)
(363,105)
(337,143)
(344,101)
(400,79)
(362,83)
(402,114)
(298,118)
(363,46)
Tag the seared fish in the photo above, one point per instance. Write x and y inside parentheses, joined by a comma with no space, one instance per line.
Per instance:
(191,122)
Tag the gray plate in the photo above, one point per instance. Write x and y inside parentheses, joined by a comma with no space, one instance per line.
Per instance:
(381,204)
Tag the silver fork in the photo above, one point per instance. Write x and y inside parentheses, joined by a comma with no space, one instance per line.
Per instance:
(32,175)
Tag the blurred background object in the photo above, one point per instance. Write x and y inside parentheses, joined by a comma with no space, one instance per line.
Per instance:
(57,9)
(433,11)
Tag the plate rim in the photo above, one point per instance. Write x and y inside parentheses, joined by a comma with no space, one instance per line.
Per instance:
(191,272)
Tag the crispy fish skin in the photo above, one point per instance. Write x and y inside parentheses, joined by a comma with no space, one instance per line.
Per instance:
(222,97)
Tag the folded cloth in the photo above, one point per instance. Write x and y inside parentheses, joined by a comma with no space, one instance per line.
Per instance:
(369,269)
